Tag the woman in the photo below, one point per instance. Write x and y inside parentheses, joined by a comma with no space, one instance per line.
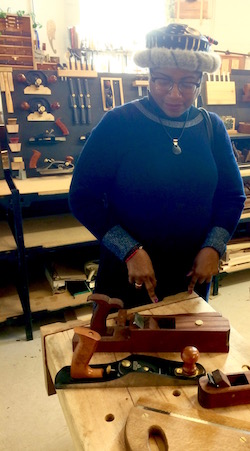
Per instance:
(160,199)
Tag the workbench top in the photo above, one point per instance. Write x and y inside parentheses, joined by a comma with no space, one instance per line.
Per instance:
(47,185)
(97,417)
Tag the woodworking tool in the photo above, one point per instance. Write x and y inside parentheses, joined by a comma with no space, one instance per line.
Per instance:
(73,103)
(62,126)
(217,389)
(208,331)
(12,126)
(6,84)
(34,159)
(40,109)
(81,101)
(53,166)
(46,138)
(132,371)
(37,82)
(87,100)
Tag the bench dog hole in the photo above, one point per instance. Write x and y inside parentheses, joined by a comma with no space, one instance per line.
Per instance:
(176,393)
(110,417)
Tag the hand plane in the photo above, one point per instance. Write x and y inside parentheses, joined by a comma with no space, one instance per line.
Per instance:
(217,389)
(134,370)
(133,332)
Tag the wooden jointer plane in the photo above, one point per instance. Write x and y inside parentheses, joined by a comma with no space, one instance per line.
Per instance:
(133,332)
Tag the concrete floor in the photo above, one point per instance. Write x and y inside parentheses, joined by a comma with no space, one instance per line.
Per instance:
(32,421)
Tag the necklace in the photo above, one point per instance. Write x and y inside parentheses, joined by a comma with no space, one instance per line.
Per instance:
(176,149)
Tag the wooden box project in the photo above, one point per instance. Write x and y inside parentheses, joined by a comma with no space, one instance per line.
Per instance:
(192,10)
(220,93)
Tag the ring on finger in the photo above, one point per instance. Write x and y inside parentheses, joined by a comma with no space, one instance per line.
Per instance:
(138,285)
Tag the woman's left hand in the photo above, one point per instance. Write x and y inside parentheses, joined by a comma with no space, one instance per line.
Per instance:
(205,266)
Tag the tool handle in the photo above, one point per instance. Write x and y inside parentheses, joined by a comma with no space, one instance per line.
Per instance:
(34,159)
(103,307)
(83,114)
(75,114)
(9,103)
(62,126)
(89,115)
(190,356)
(86,346)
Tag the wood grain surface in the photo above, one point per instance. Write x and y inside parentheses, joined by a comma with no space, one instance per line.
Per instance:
(97,417)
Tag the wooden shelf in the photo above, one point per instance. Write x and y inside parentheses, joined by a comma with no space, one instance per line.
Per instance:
(7,242)
(41,299)
(43,186)
(54,231)
(15,33)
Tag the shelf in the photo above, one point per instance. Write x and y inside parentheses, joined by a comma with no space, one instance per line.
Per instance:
(49,232)
(16,37)
(240,136)
(41,299)
(44,186)
(15,56)
(244,172)
(27,47)
(7,242)
(15,33)
(245,216)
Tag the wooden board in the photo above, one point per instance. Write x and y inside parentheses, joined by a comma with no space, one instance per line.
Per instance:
(160,423)
(47,185)
(7,242)
(53,231)
(220,93)
(97,417)
(4,189)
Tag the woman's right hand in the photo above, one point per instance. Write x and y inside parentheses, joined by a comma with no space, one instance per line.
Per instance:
(141,271)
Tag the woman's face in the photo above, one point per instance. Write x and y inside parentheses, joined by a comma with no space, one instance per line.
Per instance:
(174,90)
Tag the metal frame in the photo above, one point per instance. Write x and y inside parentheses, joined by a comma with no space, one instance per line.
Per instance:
(16,224)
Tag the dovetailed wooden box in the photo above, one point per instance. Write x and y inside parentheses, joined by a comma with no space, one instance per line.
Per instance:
(192,10)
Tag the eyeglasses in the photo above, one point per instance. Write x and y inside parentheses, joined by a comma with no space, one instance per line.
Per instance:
(166,84)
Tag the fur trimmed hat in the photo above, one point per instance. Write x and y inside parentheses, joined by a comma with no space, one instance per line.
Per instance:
(178,46)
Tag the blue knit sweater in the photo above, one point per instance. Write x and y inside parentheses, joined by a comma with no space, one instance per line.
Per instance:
(128,187)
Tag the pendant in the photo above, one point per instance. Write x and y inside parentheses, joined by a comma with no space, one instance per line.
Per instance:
(176,148)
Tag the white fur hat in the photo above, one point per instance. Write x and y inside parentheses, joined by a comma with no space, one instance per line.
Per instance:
(178,46)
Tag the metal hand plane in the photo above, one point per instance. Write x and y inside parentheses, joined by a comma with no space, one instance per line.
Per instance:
(134,370)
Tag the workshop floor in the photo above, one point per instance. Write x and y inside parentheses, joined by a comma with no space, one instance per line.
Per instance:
(32,421)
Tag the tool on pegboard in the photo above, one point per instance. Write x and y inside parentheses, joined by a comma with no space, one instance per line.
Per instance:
(12,126)
(7,86)
(14,144)
(72,101)
(40,109)
(52,166)
(81,102)
(46,138)
(87,100)
(36,82)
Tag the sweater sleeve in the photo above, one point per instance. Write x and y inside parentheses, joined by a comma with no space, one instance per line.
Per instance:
(92,183)
(229,196)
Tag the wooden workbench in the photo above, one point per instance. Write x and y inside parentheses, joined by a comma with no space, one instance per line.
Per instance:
(97,417)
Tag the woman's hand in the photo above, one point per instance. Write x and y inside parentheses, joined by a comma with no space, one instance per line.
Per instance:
(141,271)
(205,266)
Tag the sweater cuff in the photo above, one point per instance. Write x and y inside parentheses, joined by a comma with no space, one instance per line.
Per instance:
(217,238)
(119,242)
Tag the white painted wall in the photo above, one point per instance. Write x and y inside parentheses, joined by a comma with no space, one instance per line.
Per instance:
(230,23)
